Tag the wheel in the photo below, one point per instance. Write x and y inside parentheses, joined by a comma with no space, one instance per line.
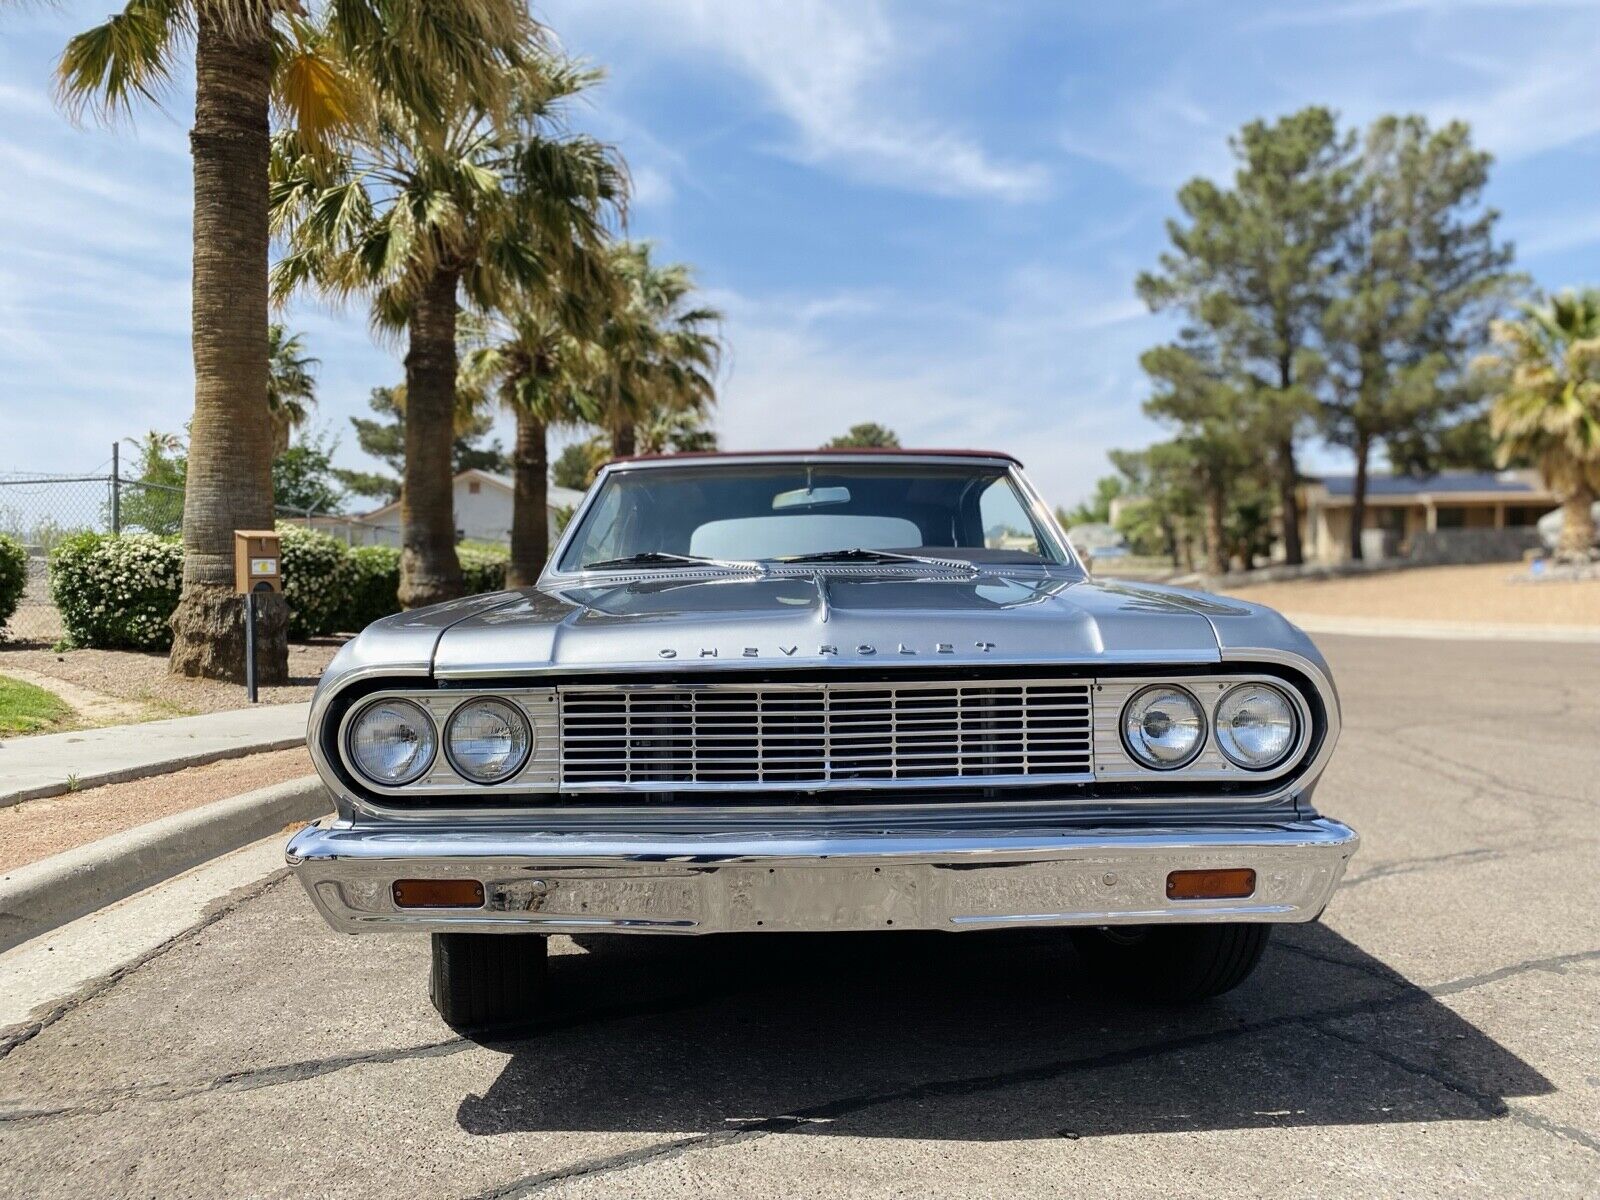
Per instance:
(1175,963)
(482,979)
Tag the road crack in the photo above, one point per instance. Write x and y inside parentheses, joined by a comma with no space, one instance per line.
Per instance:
(833,1110)
(1491,1105)
(19,1034)
(101,1103)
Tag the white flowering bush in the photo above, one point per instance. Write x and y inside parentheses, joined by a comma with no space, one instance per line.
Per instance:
(316,581)
(117,591)
(13,576)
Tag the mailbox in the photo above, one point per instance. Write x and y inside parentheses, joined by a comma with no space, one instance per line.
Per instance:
(257,561)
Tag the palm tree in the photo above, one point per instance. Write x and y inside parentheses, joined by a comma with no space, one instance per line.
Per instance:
(661,352)
(249,57)
(291,384)
(1548,408)
(533,359)
(486,206)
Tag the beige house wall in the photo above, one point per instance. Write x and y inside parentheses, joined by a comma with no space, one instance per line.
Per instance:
(1327,526)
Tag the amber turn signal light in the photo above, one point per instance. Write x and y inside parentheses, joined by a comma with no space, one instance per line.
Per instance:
(1232,884)
(437,893)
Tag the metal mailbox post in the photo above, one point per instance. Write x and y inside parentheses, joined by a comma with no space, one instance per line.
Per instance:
(257,567)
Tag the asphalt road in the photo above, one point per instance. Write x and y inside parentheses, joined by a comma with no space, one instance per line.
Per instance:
(1437,1034)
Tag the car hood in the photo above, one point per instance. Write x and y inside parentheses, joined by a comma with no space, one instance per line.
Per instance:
(830,619)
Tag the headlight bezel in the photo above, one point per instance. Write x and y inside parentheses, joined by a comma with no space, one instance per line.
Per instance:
(424,721)
(1201,717)
(1230,753)
(519,718)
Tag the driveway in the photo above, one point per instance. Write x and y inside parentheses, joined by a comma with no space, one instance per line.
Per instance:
(1437,1034)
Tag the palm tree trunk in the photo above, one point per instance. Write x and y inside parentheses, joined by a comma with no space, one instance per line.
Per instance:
(530,513)
(429,569)
(624,439)
(1358,494)
(229,483)
(1288,476)
(1577,524)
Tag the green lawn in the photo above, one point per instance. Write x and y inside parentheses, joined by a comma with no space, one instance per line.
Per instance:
(28,709)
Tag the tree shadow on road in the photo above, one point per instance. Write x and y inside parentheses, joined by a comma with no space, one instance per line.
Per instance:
(991,1036)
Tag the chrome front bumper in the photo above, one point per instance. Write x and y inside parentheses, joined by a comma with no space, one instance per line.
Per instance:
(724,883)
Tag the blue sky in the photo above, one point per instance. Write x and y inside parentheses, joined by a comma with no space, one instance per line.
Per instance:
(928,214)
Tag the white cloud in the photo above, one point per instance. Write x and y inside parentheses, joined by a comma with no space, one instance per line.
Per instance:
(1369,10)
(1557,234)
(1047,374)
(837,71)
(652,188)
(1520,72)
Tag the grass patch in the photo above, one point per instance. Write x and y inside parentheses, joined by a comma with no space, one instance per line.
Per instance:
(28,709)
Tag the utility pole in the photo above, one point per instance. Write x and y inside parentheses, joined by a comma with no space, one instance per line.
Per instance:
(116,487)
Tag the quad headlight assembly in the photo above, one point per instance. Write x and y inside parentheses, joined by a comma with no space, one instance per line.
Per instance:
(1255,725)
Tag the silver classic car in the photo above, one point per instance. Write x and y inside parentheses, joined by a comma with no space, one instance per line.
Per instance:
(760,693)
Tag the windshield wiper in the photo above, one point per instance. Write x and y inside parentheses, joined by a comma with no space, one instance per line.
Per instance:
(862,555)
(664,558)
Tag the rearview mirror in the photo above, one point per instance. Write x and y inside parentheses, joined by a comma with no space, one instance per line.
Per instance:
(808,497)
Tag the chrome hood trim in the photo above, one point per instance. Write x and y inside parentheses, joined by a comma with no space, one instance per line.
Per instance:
(826,619)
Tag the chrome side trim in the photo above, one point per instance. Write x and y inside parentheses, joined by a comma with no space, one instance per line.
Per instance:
(782,881)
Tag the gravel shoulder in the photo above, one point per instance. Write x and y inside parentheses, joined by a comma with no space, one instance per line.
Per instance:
(1466,594)
(36,829)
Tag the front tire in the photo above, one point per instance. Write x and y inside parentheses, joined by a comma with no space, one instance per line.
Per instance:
(483,979)
(1177,964)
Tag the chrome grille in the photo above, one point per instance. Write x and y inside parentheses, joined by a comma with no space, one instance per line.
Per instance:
(838,734)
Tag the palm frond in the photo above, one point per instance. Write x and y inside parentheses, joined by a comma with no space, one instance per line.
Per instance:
(128,58)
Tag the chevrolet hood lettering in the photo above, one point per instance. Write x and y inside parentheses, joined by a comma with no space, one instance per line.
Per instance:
(738,623)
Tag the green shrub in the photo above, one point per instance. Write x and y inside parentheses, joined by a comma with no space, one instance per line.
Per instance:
(372,582)
(316,580)
(13,576)
(372,588)
(483,566)
(117,592)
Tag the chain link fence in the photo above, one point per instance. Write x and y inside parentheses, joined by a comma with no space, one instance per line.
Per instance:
(41,510)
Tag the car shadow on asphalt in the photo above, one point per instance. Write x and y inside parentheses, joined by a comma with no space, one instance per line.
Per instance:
(983,1037)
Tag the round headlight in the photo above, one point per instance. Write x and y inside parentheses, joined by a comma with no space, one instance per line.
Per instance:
(487,740)
(1163,727)
(1256,726)
(392,742)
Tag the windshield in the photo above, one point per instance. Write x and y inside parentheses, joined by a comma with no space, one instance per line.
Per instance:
(667,516)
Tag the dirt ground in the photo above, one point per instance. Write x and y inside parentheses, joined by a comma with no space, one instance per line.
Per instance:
(36,829)
(1475,594)
(133,675)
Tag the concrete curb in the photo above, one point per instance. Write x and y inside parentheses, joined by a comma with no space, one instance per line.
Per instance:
(53,764)
(144,770)
(40,896)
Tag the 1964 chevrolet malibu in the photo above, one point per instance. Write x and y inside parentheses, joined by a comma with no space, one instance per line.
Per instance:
(824,691)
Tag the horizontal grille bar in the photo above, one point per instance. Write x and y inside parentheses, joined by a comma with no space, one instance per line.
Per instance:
(825,734)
